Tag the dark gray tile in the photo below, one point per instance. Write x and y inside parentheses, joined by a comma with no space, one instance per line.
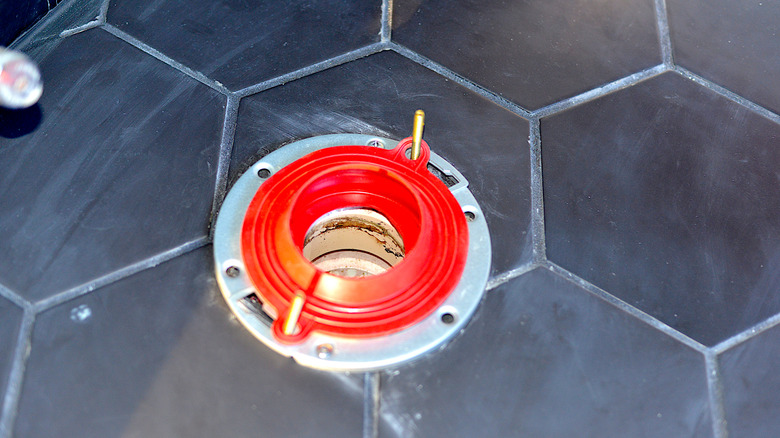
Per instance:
(732,43)
(243,42)
(751,386)
(18,15)
(532,52)
(665,195)
(66,16)
(544,358)
(116,163)
(160,355)
(378,95)
(10,321)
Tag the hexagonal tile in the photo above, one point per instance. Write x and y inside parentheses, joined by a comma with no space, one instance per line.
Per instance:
(240,43)
(739,53)
(116,163)
(378,95)
(18,16)
(665,195)
(532,52)
(751,386)
(159,354)
(67,16)
(544,358)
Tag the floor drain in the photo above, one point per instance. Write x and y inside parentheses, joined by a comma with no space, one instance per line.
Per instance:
(350,255)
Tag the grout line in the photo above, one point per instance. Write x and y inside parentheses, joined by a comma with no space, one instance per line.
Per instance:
(628,308)
(601,91)
(119,274)
(747,334)
(386,30)
(96,22)
(371,404)
(78,29)
(509,275)
(200,77)
(21,42)
(314,68)
(14,297)
(104,11)
(734,97)
(225,151)
(662,21)
(451,75)
(537,193)
(715,389)
(15,379)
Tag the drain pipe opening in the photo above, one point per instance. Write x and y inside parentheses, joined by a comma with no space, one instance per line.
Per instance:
(353,242)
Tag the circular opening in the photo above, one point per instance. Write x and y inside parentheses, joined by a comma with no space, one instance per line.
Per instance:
(264,172)
(353,242)
(447,318)
(470,215)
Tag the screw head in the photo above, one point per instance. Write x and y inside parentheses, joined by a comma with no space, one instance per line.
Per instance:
(324,351)
(232,271)
(376,143)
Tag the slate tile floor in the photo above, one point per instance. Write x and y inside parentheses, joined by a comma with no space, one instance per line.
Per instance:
(625,154)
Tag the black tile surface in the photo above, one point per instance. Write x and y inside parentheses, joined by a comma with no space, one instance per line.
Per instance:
(665,195)
(69,14)
(17,15)
(10,321)
(740,53)
(378,95)
(159,355)
(751,388)
(532,52)
(242,42)
(544,358)
(115,164)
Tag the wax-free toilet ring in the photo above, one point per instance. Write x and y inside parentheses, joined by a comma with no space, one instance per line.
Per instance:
(345,253)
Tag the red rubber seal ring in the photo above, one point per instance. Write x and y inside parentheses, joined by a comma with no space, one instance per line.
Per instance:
(422,209)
